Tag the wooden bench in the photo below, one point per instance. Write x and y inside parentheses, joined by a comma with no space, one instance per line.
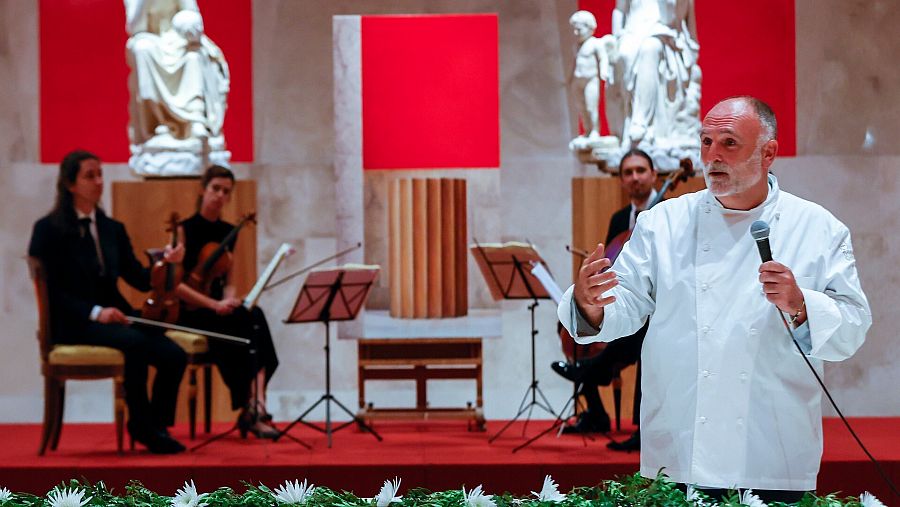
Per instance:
(421,359)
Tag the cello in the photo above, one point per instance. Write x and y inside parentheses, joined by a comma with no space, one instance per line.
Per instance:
(163,304)
(215,259)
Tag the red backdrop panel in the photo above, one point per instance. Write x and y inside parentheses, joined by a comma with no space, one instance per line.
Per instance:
(84,77)
(430,91)
(746,48)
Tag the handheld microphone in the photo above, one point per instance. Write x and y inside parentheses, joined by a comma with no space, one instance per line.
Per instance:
(760,232)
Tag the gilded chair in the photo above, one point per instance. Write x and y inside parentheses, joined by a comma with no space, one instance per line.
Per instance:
(60,363)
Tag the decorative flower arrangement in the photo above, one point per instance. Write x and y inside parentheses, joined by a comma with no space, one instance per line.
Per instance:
(188,497)
(476,498)
(549,492)
(294,493)
(631,490)
(388,493)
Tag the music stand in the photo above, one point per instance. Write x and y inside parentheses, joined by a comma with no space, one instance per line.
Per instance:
(507,270)
(330,295)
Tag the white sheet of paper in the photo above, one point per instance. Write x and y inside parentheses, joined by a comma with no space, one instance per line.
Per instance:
(546,279)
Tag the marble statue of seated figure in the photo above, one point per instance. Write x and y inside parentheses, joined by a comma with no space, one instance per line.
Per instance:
(179,86)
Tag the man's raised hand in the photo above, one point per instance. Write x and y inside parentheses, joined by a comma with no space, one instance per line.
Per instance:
(592,284)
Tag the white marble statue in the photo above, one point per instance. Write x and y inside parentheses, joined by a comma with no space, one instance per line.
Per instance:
(653,82)
(179,85)
(592,65)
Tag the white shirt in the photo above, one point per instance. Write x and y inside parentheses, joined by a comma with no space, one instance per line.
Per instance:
(632,217)
(727,399)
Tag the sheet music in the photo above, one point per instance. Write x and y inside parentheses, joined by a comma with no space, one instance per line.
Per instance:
(546,279)
(253,296)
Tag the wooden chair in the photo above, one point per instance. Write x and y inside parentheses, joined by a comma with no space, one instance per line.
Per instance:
(196,347)
(60,363)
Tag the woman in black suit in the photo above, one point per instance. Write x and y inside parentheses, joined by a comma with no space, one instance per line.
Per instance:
(84,253)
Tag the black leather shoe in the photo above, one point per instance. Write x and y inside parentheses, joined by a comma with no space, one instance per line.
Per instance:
(633,443)
(588,423)
(570,371)
(157,442)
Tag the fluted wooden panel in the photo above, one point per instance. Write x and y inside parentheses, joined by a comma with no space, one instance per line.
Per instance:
(428,264)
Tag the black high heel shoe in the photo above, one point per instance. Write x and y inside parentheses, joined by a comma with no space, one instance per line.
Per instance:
(249,422)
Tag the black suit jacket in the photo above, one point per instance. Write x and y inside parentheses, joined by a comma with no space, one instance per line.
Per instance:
(73,283)
(618,223)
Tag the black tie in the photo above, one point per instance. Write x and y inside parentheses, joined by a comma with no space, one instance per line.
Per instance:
(89,247)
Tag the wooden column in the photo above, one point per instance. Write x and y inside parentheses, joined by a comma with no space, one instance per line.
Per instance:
(427,244)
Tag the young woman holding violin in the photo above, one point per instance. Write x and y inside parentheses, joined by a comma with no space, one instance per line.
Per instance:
(209,302)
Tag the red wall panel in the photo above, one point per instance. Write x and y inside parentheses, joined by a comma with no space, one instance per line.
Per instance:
(84,77)
(430,91)
(746,48)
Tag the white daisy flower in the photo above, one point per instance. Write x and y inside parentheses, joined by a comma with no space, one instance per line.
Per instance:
(868,500)
(188,497)
(388,493)
(549,492)
(294,493)
(693,495)
(751,500)
(476,498)
(67,498)
(5,495)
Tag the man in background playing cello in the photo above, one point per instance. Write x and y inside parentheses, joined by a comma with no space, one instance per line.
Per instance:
(216,308)
(638,177)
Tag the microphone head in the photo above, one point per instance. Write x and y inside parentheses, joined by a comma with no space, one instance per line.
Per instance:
(759,230)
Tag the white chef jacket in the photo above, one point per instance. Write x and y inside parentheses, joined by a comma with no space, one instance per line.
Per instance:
(727,399)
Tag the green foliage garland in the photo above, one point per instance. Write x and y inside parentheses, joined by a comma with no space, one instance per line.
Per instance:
(632,491)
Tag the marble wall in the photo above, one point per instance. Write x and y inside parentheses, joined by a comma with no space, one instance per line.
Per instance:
(845,88)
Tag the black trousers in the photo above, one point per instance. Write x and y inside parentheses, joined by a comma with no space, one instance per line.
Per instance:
(142,347)
(235,362)
(766,495)
(604,366)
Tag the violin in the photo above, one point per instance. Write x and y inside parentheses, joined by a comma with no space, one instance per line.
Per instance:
(215,259)
(685,170)
(163,304)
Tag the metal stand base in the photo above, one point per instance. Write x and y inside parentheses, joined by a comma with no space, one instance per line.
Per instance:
(533,389)
(328,399)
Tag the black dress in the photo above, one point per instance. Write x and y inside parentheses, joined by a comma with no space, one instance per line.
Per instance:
(238,364)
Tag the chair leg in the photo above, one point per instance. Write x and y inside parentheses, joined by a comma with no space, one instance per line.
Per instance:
(119,412)
(617,401)
(60,409)
(207,398)
(192,399)
(50,393)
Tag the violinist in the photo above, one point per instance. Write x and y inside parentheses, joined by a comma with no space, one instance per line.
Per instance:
(245,370)
(85,253)
(637,177)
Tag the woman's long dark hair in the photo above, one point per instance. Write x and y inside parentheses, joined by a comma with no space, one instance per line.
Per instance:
(63,212)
